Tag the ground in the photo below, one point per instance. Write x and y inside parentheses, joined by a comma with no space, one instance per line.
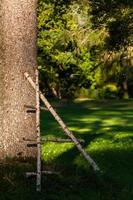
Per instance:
(106,127)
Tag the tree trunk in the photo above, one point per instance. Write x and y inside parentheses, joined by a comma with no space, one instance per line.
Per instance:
(17,55)
(125,89)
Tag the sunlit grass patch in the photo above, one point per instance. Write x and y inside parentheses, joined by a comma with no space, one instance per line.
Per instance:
(51,151)
(105,127)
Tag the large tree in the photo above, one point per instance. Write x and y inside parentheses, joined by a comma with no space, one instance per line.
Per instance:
(17,55)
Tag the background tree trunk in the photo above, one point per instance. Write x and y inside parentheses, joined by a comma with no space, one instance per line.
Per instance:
(17,55)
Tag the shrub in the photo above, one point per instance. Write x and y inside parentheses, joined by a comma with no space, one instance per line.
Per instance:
(82,93)
(109,91)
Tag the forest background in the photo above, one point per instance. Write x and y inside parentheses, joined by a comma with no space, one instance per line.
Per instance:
(85,48)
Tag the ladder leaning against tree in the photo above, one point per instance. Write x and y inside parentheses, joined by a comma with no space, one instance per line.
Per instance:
(73,139)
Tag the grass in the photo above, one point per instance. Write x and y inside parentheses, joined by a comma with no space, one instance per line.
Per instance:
(107,129)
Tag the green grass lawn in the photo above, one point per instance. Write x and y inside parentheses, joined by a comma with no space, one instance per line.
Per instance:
(106,127)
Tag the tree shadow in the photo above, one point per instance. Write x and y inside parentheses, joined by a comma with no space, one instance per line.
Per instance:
(111,140)
(111,150)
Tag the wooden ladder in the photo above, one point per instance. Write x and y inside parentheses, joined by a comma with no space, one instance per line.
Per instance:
(37,144)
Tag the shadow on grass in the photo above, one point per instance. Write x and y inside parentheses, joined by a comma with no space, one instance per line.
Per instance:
(107,131)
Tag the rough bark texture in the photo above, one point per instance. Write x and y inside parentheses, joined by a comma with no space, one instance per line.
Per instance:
(17,55)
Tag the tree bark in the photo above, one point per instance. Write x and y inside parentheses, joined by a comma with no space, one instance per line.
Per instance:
(17,55)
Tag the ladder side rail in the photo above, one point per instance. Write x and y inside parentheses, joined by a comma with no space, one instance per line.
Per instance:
(38,177)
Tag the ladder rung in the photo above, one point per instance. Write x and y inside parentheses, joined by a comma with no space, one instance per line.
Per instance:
(53,140)
(58,140)
(33,107)
(28,174)
(43,108)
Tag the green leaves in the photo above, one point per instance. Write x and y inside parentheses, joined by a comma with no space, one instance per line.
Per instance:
(63,43)
(90,42)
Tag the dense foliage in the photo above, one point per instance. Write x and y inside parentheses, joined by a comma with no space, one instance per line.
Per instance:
(85,47)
